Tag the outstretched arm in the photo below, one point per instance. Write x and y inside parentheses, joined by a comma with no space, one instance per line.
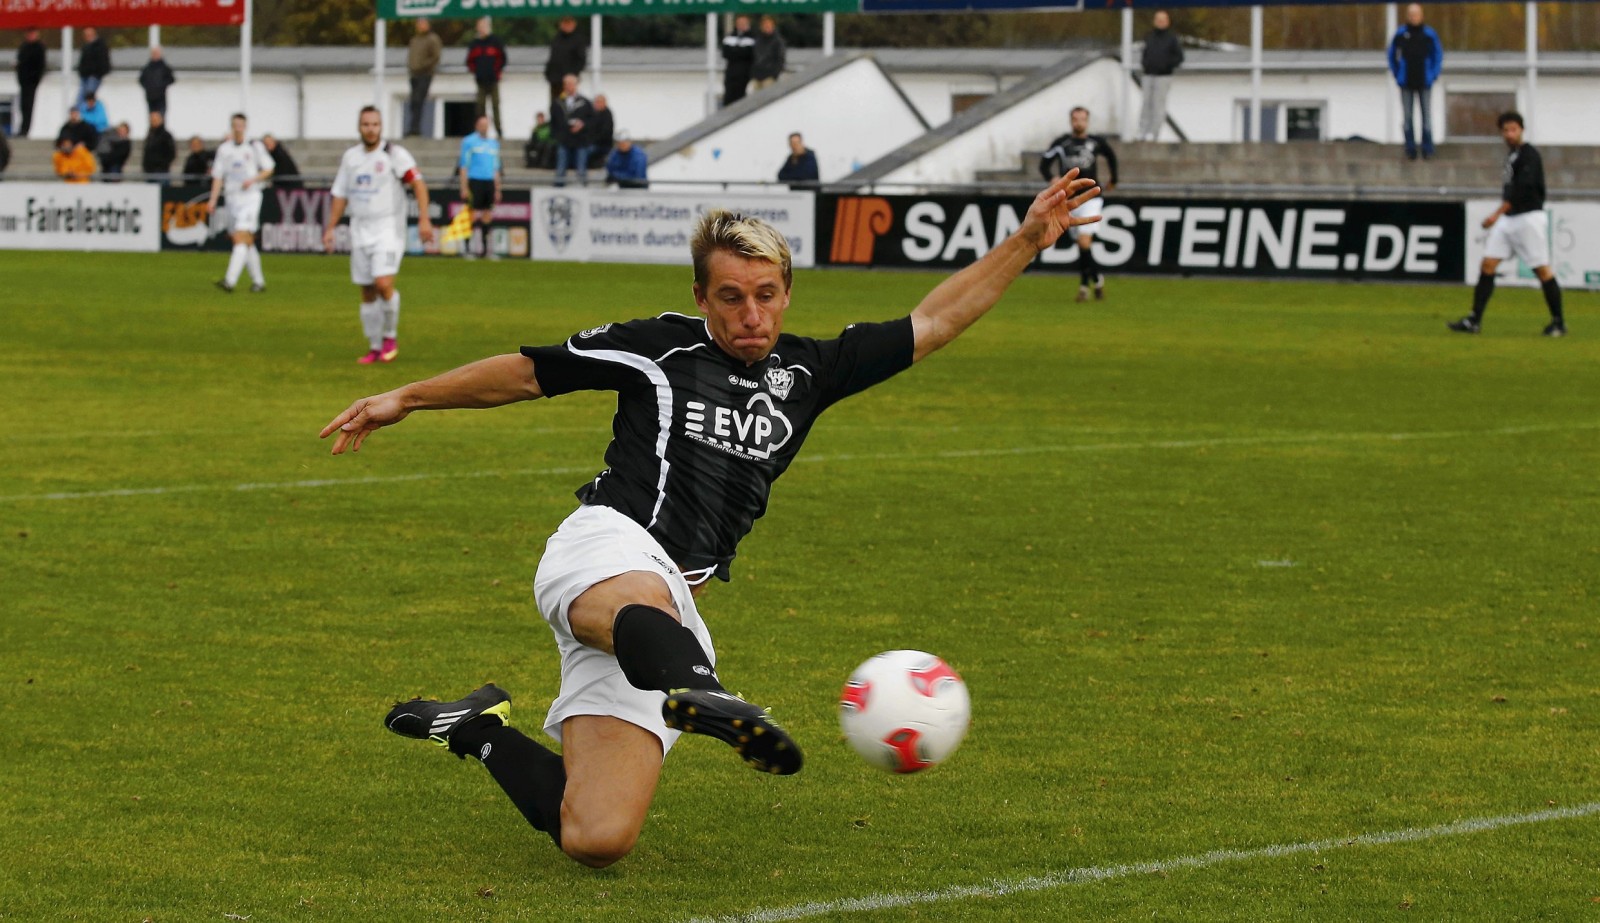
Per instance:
(490,382)
(960,300)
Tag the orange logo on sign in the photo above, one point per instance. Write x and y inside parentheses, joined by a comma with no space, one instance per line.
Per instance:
(857,222)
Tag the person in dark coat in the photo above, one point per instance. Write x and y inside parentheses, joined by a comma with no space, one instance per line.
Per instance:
(285,173)
(160,149)
(5,152)
(568,55)
(769,56)
(30,70)
(1415,58)
(738,49)
(94,63)
(197,166)
(800,167)
(602,131)
(1163,55)
(569,126)
(486,61)
(78,130)
(118,149)
(155,77)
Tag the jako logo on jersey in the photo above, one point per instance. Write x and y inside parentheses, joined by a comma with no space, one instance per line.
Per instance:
(857,222)
(779,381)
(594,331)
(560,220)
(756,431)
(742,382)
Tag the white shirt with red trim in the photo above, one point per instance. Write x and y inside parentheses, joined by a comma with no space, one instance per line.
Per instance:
(374,185)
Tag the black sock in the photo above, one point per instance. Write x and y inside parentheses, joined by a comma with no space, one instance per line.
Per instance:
(655,652)
(1086,265)
(1480,295)
(530,774)
(1552,298)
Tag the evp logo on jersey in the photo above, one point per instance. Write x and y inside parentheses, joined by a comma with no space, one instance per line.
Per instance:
(757,430)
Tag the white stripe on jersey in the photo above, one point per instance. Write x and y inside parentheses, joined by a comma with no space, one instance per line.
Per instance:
(663,387)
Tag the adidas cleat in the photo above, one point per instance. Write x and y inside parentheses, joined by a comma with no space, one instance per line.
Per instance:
(1556,329)
(1464,325)
(765,746)
(434,720)
(223,284)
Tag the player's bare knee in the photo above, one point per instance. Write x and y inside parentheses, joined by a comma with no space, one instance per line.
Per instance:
(598,845)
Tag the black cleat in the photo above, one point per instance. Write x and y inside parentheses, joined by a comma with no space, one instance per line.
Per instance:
(765,746)
(257,289)
(1555,329)
(1083,294)
(1100,290)
(224,286)
(434,720)
(1464,325)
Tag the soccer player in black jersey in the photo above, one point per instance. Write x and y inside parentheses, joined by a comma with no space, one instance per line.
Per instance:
(1081,151)
(711,408)
(1517,228)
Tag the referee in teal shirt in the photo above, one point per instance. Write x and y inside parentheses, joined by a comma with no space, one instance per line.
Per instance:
(480,171)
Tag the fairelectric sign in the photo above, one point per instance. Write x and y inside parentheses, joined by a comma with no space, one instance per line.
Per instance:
(1384,240)
(80,216)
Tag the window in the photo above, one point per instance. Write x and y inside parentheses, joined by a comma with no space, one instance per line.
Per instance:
(1473,114)
(1281,120)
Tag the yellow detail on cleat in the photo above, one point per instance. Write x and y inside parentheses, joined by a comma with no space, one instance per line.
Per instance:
(782,745)
(758,730)
(688,729)
(738,722)
(672,703)
(692,712)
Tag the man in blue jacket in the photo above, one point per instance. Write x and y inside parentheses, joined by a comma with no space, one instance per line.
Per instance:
(628,166)
(1415,57)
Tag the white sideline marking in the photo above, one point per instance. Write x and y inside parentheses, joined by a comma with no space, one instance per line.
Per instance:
(1000,888)
(1217,442)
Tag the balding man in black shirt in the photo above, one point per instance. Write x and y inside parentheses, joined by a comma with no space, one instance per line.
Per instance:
(711,409)
(1517,228)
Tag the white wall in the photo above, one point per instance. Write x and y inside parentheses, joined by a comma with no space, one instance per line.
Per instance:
(752,148)
(1028,125)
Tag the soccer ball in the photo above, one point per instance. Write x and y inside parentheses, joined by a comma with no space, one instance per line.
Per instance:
(904,711)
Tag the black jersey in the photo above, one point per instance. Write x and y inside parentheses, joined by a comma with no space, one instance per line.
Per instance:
(1070,151)
(698,436)
(1523,180)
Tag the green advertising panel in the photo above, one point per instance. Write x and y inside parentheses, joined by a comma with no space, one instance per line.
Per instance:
(471,9)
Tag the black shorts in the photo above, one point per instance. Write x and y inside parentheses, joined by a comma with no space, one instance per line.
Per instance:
(482,193)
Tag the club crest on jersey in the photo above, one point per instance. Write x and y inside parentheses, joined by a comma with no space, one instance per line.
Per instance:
(594,331)
(779,382)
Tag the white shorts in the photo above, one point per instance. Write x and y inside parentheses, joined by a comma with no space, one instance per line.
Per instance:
(244,211)
(597,543)
(368,264)
(1089,209)
(1524,235)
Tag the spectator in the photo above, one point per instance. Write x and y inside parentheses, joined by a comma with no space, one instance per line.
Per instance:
(769,56)
(800,169)
(422,60)
(197,166)
(160,150)
(73,162)
(118,149)
(738,49)
(1163,55)
(285,172)
(94,63)
(94,112)
(540,151)
(155,77)
(79,131)
(1415,57)
(568,55)
(486,60)
(481,176)
(30,70)
(602,131)
(5,152)
(628,166)
(569,122)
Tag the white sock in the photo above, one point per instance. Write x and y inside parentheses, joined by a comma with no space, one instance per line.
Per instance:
(253,260)
(372,322)
(391,316)
(235,264)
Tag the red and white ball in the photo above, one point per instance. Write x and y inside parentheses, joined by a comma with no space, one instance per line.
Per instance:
(904,711)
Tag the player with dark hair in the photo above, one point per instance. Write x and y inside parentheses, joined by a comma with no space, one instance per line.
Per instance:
(711,409)
(372,181)
(238,171)
(1517,228)
(1081,151)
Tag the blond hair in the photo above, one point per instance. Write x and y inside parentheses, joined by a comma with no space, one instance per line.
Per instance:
(741,235)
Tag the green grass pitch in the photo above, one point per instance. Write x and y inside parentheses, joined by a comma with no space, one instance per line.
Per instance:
(1226,565)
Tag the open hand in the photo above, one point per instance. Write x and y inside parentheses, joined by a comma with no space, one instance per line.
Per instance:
(362,418)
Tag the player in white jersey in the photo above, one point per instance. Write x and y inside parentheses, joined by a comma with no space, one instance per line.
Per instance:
(240,168)
(371,183)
